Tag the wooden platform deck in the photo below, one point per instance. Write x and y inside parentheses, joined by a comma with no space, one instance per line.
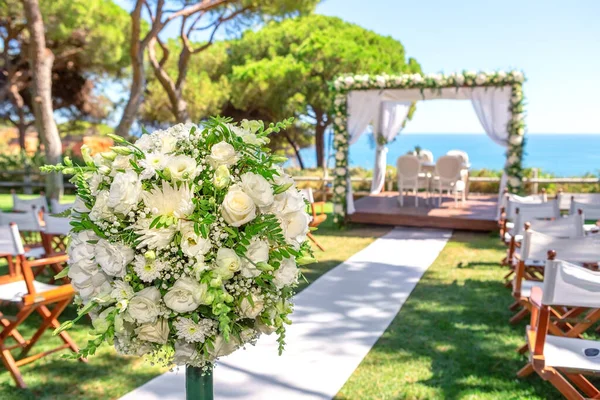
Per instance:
(478,213)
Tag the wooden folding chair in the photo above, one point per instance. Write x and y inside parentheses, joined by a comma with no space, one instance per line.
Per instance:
(530,263)
(563,361)
(55,233)
(24,205)
(58,207)
(30,233)
(316,218)
(508,204)
(30,296)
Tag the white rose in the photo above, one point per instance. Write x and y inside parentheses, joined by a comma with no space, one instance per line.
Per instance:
(514,182)
(258,188)
(193,245)
(227,263)
(338,209)
(251,309)
(113,257)
(339,155)
(145,142)
(288,202)
(157,332)
(258,251)
(340,189)
(143,307)
(340,171)
(181,168)
(295,226)
(185,295)
(460,80)
(481,79)
(168,143)
(515,140)
(100,210)
(501,74)
(287,274)
(222,177)
(184,352)
(222,153)
(221,347)
(120,163)
(238,208)
(125,192)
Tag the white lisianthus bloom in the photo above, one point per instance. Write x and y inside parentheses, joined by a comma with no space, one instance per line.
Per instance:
(514,181)
(281,178)
(349,80)
(155,332)
(146,142)
(100,322)
(512,160)
(155,238)
(168,144)
(247,136)
(257,252)
(227,263)
(193,245)
(169,200)
(481,79)
(95,180)
(340,189)
(185,353)
(287,274)
(79,206)
(460,79)
(338,209)
(120,163)
(125,191)
(295,226)
(340,171)
(122,290)
(501,74)
(238,208)
(113,258)
(181,168)
(222,177)
(251,309)
(339,156)
(221,347)
(81,251)
(222,153)
(144,305)
(258,188)
(518,76)
(88,285)
(100,209)
(185,295)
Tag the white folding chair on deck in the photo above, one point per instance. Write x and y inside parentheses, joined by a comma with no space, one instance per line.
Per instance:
(29,295)
(24,205)
(410,178)
(563,361)
(448,179)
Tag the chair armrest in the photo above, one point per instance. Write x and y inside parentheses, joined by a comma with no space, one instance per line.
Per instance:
(58,259)
(536,296)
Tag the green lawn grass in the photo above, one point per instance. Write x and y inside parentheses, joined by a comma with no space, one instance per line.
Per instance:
(6,202)
(108,375)
(451,339)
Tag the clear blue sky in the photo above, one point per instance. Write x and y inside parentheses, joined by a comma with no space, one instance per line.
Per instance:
(555,43)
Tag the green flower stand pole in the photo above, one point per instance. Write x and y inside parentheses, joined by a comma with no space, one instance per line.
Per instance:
(197,385)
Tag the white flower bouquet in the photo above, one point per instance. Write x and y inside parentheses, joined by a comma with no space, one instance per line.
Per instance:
(185,245)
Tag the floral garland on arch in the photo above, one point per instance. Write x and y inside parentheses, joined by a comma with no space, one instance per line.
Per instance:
(344,84)
(185,245)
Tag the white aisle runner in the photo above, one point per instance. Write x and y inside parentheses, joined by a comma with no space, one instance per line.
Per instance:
(337,320)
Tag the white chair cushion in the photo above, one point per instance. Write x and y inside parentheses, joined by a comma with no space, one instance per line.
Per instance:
(591,228)
(526,287)
(15,291)
(562,352)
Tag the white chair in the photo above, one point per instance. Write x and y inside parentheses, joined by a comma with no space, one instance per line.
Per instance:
(24,205)
(556,358)
(55,234)
(410,178)
(30,228)
(566,198)
(525,204)
(462,155)
(425,156)
(447,178)
(590,210)
(57,207)
(315,218)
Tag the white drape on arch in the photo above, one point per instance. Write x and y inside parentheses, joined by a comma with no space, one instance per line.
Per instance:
(364,108)
(391,118)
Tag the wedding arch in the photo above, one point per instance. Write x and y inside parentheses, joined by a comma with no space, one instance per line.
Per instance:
(384,101)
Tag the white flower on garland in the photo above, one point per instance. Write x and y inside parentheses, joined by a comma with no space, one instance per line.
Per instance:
(181,168)
(481,79)
(340,171)
(515,140)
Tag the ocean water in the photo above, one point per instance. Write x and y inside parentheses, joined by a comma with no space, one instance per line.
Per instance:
(561,154)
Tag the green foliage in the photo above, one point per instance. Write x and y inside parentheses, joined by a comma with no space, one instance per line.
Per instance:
(81,128)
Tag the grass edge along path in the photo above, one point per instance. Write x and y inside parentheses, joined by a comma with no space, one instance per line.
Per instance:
(452,339)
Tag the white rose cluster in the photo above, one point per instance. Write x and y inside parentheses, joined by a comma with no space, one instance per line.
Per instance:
(185,245)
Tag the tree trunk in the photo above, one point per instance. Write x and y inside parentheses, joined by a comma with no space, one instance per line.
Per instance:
(19,104)
(296,149)
(41,60)
(320,127)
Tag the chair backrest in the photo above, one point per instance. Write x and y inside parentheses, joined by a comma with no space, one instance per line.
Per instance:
(408,167)
(10,240)
(570,226)
(56,225)
(24,205)
(27,221)
(567,284)
(591,211)
(307,194)
(461,154)
(536,245)
(57,207)
(566,198)
(425,156)
(447,168)
(533,208)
